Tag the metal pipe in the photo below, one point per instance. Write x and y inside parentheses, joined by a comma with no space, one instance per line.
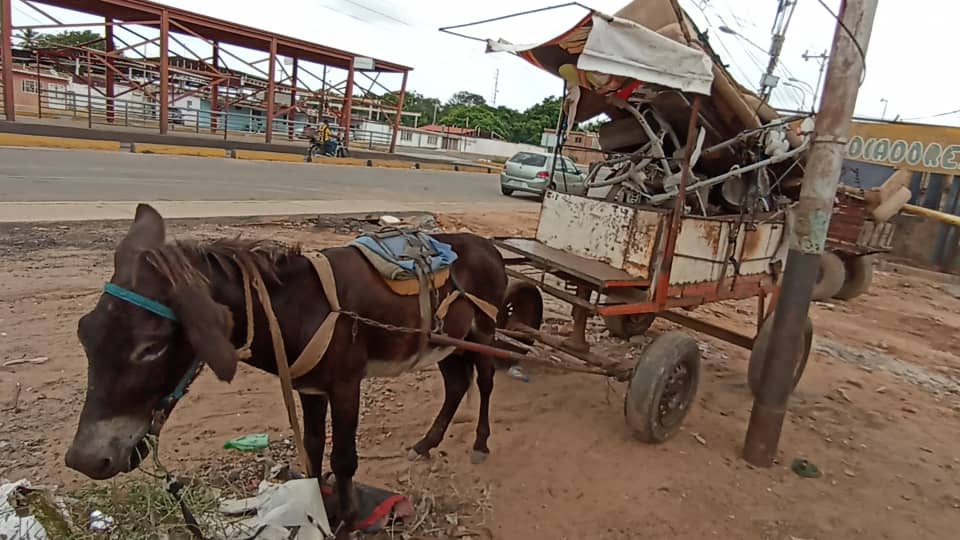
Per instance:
(346,112)
(6,52)
(271,91)
(396,120)
(215,91)
(292,111)
(811,218)
(164,71)
(663,274)
(109,78)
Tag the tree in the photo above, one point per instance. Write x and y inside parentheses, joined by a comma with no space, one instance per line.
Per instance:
(467,98)
(29,39)
(72,38)
(483,118)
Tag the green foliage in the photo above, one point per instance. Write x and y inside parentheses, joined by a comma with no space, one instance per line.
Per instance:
(71,38)
(29,38)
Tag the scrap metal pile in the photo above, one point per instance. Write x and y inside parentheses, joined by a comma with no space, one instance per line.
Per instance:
(643,69)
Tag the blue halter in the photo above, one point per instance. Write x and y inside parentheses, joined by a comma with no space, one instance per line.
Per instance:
(140,301)
(161,310)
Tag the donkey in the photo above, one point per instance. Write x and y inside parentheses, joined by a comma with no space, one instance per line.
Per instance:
(182,305)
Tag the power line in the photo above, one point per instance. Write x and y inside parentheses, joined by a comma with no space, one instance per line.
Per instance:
(863,55)
(938,115)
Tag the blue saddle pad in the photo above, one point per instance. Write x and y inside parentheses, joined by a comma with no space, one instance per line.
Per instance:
(400,251)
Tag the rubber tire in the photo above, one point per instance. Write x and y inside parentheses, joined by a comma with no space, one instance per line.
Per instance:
(506,191)
(859,276)
(529,300)
(758,356)
(522,302)
(658,360)
(831,277)
(627,326)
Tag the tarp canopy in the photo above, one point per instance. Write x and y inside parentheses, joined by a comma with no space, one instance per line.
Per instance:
(613,55)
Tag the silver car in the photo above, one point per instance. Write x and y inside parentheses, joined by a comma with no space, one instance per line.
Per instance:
(529,172)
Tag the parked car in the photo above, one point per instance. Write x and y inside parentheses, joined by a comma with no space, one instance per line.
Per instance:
(529,172)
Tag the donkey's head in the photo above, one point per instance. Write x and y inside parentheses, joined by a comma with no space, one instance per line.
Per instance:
(139,357)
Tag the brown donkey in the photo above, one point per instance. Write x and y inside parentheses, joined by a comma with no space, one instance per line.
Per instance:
(172,307)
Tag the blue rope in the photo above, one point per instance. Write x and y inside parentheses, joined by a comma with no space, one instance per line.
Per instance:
(140,301)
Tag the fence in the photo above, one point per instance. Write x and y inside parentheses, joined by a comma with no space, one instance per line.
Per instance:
(96,110)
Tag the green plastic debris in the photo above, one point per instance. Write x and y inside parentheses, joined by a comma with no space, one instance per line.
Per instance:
(805,469)
(248,443)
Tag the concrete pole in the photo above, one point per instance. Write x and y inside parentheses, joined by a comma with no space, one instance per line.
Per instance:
(810,220)
(6,51)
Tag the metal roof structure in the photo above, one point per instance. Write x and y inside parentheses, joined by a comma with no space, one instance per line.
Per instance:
(218,34)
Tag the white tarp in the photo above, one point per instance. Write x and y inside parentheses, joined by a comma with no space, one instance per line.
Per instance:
(621,47)
(13,526)
(617,46)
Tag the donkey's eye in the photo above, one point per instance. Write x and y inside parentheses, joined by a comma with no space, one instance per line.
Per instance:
(149,352)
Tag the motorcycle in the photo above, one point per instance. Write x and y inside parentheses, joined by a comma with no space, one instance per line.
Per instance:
(331,148)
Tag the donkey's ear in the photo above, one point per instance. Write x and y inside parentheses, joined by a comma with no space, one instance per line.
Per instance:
(147,232)
(208,326)
(148,229)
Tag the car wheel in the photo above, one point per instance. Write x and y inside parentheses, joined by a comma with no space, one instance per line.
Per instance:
(505,190)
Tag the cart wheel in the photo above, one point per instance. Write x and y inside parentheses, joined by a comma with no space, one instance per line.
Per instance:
(627,326)
(663,387)
(859,277)
(830,278)
(758,355)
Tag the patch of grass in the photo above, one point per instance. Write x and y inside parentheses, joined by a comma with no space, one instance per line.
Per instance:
(141,508)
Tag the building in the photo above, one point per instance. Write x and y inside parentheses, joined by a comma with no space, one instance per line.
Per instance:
(582,147)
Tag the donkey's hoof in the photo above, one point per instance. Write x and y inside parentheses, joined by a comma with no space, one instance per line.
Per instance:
(478,457)
(413,455)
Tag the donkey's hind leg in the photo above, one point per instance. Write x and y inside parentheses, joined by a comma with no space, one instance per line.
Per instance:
(456,370)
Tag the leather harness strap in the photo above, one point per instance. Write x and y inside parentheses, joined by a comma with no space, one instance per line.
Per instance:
(317,346)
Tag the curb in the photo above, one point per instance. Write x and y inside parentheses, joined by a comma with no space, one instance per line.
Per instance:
(38,141)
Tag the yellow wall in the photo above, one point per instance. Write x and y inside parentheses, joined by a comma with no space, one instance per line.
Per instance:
(914,147)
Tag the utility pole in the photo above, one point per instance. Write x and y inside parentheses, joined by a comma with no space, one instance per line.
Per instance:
(780,25)
(809,221)
(496,89)
(822,59)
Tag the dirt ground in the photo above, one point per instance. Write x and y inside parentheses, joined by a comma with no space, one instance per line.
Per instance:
(878,411)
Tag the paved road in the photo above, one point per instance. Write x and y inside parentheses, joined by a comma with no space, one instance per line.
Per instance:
(63,175)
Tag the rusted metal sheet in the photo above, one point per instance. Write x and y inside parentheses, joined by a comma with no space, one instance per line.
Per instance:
(620,236)
(711,249)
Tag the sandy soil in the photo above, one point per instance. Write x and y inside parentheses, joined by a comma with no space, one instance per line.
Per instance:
(878,411)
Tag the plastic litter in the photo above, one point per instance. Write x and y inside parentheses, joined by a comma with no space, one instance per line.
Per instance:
(12,525)
(248,443)
(517,373)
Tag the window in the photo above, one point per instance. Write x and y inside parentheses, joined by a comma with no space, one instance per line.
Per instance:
(189,103)
(577,139)
(28,86)
(406,135)
(527,158)
(570,166)
(431,140)
(56,89)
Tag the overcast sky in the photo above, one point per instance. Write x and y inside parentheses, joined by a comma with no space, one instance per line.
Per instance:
(909,61)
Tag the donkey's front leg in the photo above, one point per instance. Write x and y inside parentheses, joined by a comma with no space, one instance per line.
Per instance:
(345,413)
(314,430)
